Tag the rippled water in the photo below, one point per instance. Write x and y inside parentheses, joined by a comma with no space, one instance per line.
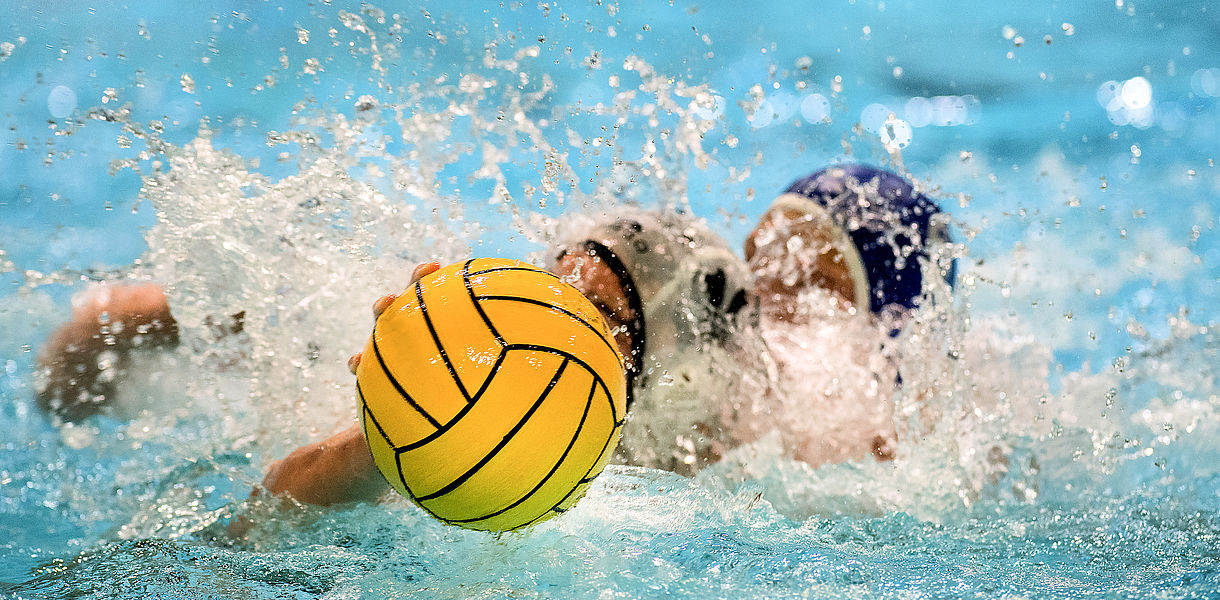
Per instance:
(294,163)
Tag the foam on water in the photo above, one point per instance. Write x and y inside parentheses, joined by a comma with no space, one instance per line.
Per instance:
(1008,478)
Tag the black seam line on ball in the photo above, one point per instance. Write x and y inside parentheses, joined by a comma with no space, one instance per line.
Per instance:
(398,386)
(555,308)
(410,494)
(461,413)
(571,443)
(531,521)
(364,405)
(589,474)
(554,509)
(474,300)
(637,326)
(364,422)
(502,443)
(527,270)
(557,352)
(419,296)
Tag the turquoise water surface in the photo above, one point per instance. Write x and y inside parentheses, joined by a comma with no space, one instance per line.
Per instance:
(293,160)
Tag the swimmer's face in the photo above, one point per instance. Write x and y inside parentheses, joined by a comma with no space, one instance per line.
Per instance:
(791,250)
(598,282)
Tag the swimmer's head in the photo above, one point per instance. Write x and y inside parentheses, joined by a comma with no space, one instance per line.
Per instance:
(663,278)
(861,233)
(675,292)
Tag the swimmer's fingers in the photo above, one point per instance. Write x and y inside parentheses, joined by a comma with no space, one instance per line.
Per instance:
(425,269)
(379,306)
(384,302)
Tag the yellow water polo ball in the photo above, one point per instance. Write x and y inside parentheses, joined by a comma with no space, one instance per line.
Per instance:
(491,394)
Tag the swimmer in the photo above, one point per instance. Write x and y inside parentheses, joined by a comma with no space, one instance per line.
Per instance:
(840,260)
(689,317)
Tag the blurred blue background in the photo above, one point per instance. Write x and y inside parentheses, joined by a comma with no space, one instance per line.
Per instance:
(1064,125)
(1073,143)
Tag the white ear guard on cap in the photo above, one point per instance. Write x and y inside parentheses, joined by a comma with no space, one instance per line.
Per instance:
(692,294)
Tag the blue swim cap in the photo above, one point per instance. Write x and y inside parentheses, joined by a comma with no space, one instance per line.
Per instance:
(889,223)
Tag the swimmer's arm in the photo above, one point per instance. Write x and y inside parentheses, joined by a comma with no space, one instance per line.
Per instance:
(336,470)
(116,318)
(339,469)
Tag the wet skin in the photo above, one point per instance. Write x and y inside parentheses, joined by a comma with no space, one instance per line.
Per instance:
(790,251)
(115,317)
(598,282)
(340,468)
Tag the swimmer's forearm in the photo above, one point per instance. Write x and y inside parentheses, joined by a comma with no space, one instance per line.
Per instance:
(336,470)
(341,468)
(115,318)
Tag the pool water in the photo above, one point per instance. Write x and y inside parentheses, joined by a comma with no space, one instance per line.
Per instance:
(295,161)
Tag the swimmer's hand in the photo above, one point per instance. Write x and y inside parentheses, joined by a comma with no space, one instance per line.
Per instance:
(339,469)
(336,470)
(381,304)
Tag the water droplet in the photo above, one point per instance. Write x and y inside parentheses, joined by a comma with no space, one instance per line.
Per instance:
(61,101)
(1136,93)
(895,133)
(874,116)
(815,108)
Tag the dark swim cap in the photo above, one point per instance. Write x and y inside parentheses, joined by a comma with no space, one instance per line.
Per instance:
(889,224)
